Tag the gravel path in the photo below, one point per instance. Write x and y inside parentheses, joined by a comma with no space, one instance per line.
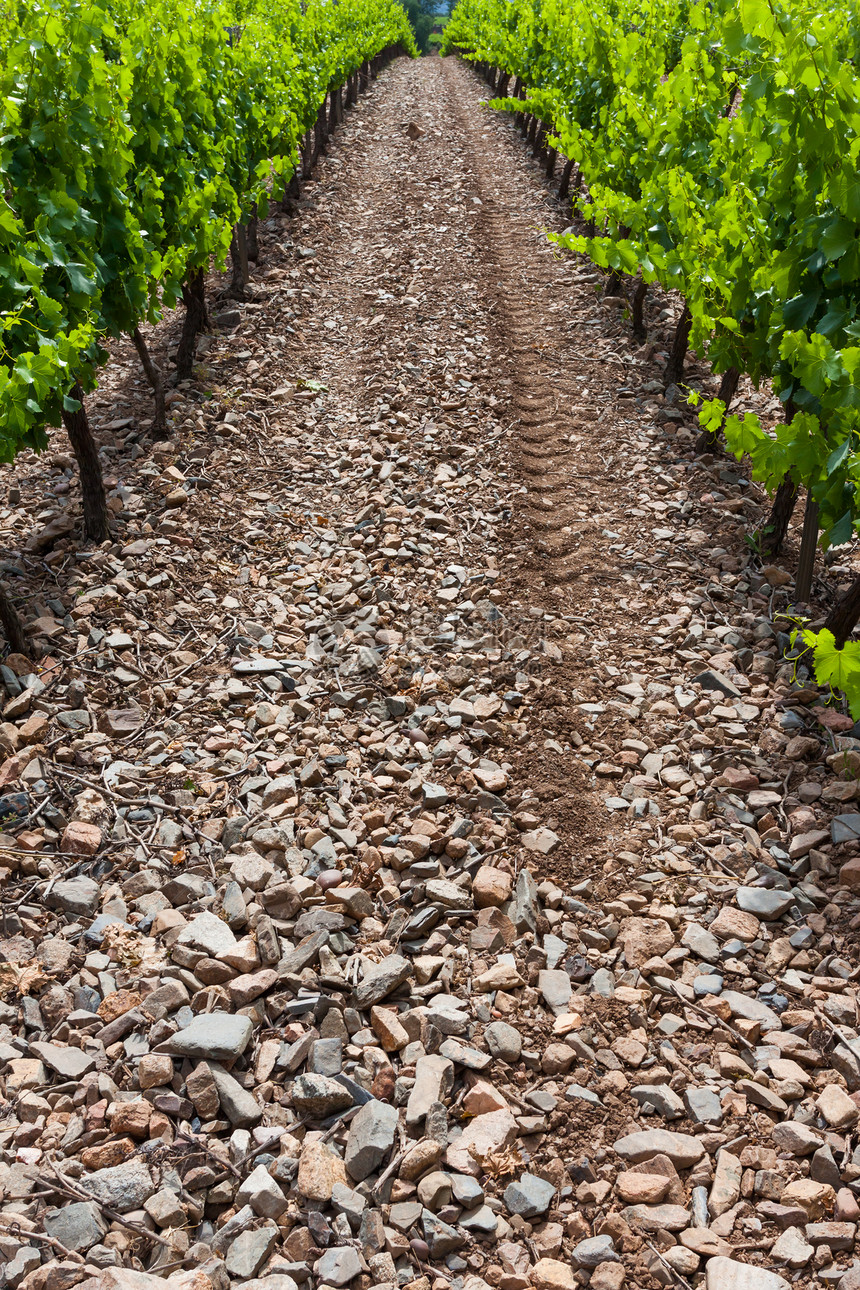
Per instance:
(421,866)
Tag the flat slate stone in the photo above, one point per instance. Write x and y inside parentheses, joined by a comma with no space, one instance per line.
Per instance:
(371,1135)
(728,1274)
(216,1036)
(209,933)
(258,667)
(463,1055)
(743,1005)
(381,980)
(845,828)
(123,1187)
(338,1266)
(576,1093)
(763,902)
(593,1251)
(529,1196)
(70,1063)
(682,1148)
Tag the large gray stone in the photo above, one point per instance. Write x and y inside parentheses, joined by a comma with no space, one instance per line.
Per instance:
(249,1251)
(524,907)
(209,933)
(529,1196)
(77,1226)
(764,903)
(556,988)
(481,1221)
(337,1267)
(434,1076)
(663,1098)
(78,896)
(657,1218)
(503,1041)
(708,983)
(24,1261)
(123,1187)
(441,1238)
(743,1005)
(305,953)
(371,1135)
(320,1096)
(326,1057)
(703,1106)
(711,680)
(845,828)
(238,1104)
(211,1036)
(799,1139)
(69,1063)
(593,1251)
(465,1055)
(262,1193)
(702,942)
(728,1274)
(682,1148)
(381,980)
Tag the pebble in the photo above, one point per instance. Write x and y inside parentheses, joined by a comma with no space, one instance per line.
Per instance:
(529,1196)
(371,1136)
(216,1036)
(728,1274)
(682,1149)
(593,1252)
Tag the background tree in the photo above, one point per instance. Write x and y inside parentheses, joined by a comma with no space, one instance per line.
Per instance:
(423,16)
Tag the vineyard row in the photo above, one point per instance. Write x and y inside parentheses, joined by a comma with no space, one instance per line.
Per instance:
(139,147)
(712,148)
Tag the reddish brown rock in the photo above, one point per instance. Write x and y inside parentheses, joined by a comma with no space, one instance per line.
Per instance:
(645,938)
(81,839)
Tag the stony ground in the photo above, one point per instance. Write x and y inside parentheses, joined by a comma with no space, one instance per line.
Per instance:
(421,865)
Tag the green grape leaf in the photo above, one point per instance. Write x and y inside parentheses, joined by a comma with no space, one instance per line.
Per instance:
(837,238)
(839,668)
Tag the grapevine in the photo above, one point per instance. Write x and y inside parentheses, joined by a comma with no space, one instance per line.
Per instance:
(137,145)
(716,150)
(129,156)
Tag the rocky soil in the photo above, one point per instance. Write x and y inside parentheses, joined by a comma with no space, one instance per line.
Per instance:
(421,865)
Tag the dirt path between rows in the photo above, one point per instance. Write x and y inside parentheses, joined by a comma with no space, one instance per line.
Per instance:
(426,667)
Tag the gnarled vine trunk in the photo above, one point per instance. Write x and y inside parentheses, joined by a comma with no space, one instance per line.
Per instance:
(680,343)
(845,614)
(709,440)
(13,628)
(637,309)
(239,257)
(808,547)
(781,511)
(196,320)
(156,380)
(89,467)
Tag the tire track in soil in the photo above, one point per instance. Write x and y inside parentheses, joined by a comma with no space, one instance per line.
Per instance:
(554,448)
